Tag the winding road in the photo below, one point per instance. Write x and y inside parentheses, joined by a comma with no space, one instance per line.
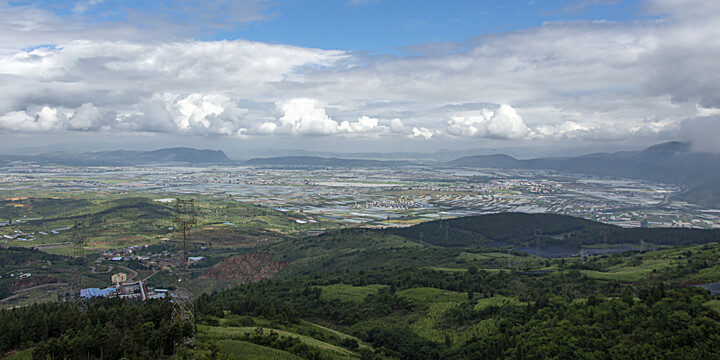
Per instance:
(92,270)
(19,292)
(135,274)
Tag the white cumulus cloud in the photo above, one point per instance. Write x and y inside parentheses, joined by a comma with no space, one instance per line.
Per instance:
(304,116)
(422,132)
(197,114)
(39,119)
(503,123)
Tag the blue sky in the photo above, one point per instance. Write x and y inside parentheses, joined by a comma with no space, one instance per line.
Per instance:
(386,26)
(383,74)
(361,25)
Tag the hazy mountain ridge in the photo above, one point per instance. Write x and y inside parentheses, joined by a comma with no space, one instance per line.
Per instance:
(671,162)
(321,161)
(127,158)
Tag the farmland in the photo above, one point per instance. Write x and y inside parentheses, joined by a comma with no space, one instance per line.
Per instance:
(288,268)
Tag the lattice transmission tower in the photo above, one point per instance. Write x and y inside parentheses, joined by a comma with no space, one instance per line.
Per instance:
(538,236)
(605,233)
(183,313)
(78,238)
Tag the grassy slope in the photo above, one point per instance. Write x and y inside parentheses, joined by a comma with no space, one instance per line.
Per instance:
(662,263)
(21,355)
(632,267)
(234,333)
(246,350)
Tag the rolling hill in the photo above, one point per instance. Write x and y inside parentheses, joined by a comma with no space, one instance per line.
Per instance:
(520,228)
(447,243)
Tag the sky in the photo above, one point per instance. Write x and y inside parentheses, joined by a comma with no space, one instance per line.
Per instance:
(360,75)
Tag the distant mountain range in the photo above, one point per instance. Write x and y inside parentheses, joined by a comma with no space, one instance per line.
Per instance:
(321,161)
(671,162)
(127,158)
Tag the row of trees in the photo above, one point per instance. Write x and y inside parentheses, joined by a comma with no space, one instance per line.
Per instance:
(108,329)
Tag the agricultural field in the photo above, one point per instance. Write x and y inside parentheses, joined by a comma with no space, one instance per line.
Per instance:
(49,223)
(270,286)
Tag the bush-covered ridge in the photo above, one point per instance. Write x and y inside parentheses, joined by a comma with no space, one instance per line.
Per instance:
(519,229)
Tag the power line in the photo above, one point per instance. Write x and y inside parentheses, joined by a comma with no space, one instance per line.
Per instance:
(183,313)
(605,232)
(78,238)
(538,236)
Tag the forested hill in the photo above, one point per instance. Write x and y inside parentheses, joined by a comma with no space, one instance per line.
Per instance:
(520,229)
(321,161)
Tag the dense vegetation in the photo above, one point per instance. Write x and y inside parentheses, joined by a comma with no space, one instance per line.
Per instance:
(12,256)
(520,229)
(557,315)
(483,315)
(109,329)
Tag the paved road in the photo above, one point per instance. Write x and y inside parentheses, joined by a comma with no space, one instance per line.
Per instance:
(17,293)
(92,270)
(129,270)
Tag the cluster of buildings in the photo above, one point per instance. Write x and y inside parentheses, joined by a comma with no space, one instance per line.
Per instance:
(164,260)
(19,235)
(125,290)
(19,275)
(400,203)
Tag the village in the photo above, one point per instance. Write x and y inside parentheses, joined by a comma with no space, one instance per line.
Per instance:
(124,285)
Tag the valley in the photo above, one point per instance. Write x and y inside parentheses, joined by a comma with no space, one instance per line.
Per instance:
(328,262)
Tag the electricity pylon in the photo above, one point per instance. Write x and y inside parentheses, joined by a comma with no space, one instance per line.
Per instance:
(605,232)
(183,313)
(78,238)
(537,235)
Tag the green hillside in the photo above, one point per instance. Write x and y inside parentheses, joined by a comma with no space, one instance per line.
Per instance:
(626,305)
(394,294)
(570,312)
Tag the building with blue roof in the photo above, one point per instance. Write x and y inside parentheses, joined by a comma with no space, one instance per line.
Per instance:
(96,292)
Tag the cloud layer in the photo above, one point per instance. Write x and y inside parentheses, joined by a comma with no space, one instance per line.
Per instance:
(585,81)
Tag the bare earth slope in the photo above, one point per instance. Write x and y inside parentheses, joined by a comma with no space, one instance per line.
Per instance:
(246,268)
